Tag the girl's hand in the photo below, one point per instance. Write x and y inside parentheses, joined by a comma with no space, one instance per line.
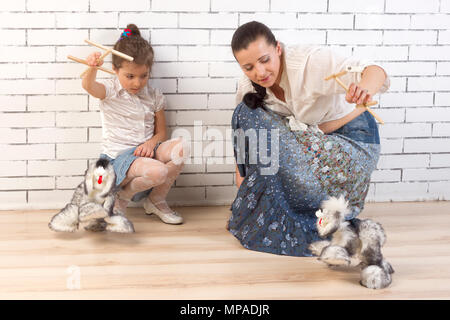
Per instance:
(145,149)
(93,59)
(357,94)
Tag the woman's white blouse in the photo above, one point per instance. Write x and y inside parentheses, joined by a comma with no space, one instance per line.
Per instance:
(127,119)
(309,98)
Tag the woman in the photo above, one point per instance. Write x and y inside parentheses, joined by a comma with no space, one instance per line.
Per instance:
(284,87)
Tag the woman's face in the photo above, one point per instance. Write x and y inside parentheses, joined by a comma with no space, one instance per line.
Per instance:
(133,77)
(261,62)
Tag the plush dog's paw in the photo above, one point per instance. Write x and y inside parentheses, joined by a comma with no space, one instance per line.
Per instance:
(97,225)
(387,267)
(95,212)
(317,247)
(117,223)
(374,277)
(335,256)
(61,227)
(66,220)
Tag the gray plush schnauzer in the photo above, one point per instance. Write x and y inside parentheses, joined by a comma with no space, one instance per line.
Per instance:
(93,203)
(357,238)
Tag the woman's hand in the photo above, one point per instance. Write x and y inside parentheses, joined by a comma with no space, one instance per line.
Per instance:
(357,94)
(372,79)
(93,59)
(145,149)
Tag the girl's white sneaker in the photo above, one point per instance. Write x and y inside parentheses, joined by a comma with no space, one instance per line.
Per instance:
(167,217)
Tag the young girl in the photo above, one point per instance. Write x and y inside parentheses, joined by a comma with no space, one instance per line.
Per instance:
(134,128)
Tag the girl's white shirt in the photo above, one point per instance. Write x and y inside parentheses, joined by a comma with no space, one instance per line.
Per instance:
(309,98)
(128,120)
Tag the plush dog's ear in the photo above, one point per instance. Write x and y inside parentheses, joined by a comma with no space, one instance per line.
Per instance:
(88,183)
(319,214)
(336,205)
(331,215)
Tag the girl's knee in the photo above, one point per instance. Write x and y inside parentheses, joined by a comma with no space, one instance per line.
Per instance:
(161,175)
(156,174)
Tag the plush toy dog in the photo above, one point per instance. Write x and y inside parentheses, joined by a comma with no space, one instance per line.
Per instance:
(93,203)
(357,238)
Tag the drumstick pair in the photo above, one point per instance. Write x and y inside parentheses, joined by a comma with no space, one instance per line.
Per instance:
(107,51)
(365,105)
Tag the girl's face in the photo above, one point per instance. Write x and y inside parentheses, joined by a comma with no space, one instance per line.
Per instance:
(261,62)
(133,77)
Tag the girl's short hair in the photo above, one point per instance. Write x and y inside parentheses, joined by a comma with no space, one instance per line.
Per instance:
(131,43)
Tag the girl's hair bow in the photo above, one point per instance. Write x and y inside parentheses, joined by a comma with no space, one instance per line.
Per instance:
(125,34)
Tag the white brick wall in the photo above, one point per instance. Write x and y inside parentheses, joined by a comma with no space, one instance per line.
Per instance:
(50,129)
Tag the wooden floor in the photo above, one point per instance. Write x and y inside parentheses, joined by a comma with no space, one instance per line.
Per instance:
(201,260)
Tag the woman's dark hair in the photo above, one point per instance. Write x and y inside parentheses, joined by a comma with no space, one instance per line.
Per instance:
(131,43)
(242,37)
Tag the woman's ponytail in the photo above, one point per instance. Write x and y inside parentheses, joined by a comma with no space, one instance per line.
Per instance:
(255,100)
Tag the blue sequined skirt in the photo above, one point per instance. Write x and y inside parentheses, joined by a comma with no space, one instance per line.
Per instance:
(121,163)
(289,173)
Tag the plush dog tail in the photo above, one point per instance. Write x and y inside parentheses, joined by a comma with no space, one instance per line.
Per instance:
(336,205)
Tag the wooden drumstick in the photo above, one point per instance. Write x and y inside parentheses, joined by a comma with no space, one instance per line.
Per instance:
(117,53)
(86,63)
